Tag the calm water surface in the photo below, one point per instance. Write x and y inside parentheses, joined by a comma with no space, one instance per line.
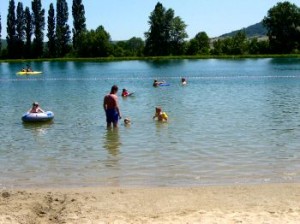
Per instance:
(237,121)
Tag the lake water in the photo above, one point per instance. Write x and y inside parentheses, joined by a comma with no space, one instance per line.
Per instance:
(236,122)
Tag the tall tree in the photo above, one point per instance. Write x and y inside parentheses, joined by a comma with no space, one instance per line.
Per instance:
(239,43)
(11,30)
(166,33)
(135,46)
(51,31)
(178,35)
(217,48)
(62,28)
(199,44)
(38,25)
(20,28)
(28,32)
(155,38)
(203,42)
(283,27)
(79,25)
(235,45)
(95,43)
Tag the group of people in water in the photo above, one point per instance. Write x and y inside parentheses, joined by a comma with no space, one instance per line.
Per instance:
(157,83)
(112,109)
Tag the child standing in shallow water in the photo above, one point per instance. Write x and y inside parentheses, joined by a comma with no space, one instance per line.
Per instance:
(160,115)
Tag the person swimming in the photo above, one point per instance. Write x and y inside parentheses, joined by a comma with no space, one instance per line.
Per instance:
(157,83)
(126,93)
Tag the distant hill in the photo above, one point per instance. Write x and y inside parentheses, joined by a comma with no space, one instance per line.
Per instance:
(256,30)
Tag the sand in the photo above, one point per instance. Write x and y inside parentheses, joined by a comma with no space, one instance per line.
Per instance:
(278,203)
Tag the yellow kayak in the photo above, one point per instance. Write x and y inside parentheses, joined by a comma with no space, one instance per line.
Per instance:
(29,73)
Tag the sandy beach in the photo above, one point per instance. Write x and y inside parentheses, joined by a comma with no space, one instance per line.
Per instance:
(278,203)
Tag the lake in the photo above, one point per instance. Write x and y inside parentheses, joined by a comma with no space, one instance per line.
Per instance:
(235,122)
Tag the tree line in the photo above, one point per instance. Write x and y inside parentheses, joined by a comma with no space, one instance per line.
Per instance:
(166,35)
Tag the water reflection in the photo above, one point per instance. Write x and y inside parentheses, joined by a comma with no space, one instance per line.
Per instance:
(112,141)
(38,129)
(284,61)
(165,63)
(80,66)
(112,163)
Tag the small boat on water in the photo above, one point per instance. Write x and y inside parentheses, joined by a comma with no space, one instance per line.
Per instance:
(38,117)
(29,72)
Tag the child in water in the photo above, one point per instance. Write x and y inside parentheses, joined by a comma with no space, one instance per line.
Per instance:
(127,121)
(126,93)
(36,108)
(160,115)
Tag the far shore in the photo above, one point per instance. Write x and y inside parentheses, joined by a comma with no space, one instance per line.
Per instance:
(108,59)
(257,204)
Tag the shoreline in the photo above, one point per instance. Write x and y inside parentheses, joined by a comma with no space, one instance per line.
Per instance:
(151,58)
(268,203)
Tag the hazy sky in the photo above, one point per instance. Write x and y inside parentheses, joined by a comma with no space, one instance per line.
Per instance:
(124,19)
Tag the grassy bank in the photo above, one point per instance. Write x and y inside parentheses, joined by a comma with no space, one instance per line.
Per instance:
(108,59)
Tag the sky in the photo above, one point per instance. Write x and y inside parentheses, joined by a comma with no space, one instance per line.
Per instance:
(124,19)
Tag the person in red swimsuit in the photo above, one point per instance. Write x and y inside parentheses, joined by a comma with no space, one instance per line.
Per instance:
(125,93)
(111,107)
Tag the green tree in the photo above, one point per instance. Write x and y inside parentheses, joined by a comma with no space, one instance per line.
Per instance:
(20,30)
(155,39)
(95,43)
(203,43)
(11,30)
(62,28)
(167,31)
(38,19)
(238,43)
(166,34)
(218,46)
(199,44)
(227,46)
(257,46)
(28,32)
(178,36)
(135,46)
(51,32)
(263,46)
(235,45)
(192,47)
(79,25)
(283,27)
(120,49)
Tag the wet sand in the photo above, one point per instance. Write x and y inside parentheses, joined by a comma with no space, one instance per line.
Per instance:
(276,203)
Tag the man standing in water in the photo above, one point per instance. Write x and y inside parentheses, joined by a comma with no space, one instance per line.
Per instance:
(111,107)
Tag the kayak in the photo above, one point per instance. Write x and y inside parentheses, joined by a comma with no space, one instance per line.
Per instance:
(38,117)
(29,73)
